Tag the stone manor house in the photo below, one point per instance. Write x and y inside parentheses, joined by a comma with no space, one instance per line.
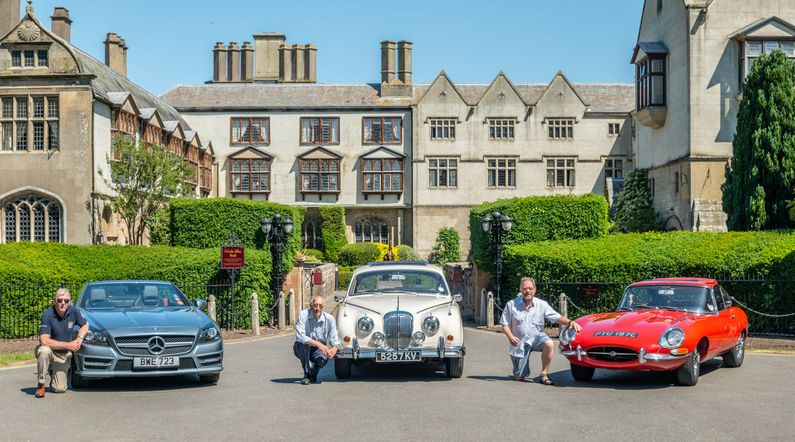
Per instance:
(404,159)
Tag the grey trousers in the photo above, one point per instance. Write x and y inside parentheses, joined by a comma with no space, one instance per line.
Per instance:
(60,363)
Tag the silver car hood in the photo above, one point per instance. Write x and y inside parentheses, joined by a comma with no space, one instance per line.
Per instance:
(144,320)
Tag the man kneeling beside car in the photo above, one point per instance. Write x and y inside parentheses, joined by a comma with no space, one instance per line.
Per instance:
(316,340)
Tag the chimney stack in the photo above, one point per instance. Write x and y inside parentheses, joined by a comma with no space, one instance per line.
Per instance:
(247,62)
(404,62)
(219,62)
(298,63)
(116,54)
(310,53)
(233,71)
(266,56)
(9,15)
(387,61)
(61,23)
(285,63)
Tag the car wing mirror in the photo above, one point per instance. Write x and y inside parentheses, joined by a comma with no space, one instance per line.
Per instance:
(201,304)
(338,298)
(458,297)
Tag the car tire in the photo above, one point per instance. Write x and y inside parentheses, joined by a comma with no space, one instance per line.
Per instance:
(581,373)
(688,373)
(735,357)
(454,367)
(209,378)
(77,380)
(342,368)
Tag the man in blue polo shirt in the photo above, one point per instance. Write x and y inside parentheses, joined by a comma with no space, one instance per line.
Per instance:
(55,341)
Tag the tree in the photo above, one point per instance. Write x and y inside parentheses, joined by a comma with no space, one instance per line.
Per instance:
(634,210)
(447,248)
(141,182)
(761,173)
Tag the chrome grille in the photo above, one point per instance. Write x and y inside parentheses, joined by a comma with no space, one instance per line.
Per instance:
(612,354)
(138,345)
(398,326)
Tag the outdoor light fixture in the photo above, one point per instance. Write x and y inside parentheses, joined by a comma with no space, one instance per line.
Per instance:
(277,232)
(498,225)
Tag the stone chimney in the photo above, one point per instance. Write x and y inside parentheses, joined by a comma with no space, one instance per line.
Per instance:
(310,53)
(298,63)
(115,54)
(404,62)
(247,62)
(266,56)
(387,61)
(61,23)
(9,15)
(285,63)
(233,59)
(219,62)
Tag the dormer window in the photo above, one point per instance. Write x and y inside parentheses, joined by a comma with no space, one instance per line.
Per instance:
(29,58)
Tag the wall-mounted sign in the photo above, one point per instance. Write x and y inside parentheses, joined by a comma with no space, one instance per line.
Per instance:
(590,291)
(317,278)
(232,257)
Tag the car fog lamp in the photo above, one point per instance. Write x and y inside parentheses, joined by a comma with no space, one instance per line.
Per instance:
(418,337)
(96,338)
(672,338)
(567,335)
(378,338)
(430,325)
(365,324)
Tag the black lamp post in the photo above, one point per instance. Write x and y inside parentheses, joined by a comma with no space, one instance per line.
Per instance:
(498,225)
(276,232)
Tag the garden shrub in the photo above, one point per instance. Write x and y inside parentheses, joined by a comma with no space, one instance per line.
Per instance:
(359,254)
(316,254)
(406,253)
(539,218)
(332,228)
(26,266)
(634,210)
(160,227)
(205,223)
(344,275)
(447,247)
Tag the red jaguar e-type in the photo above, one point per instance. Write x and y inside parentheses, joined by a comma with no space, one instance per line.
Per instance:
(660,324)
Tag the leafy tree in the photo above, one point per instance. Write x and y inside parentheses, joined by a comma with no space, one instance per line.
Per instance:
(447,247)
(332,222)
(141,182)
(761,173)
(634,211)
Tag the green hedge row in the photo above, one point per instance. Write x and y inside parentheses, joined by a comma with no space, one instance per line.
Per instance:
(332,222)
(540,218)
(619,259)
(30,272)
(207,223)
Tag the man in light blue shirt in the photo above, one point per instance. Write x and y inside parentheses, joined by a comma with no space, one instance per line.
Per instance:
(523,323)
(316,340)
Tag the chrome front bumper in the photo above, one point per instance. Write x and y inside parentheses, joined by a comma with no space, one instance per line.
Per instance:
(440,351)
(103,361)
(643,357)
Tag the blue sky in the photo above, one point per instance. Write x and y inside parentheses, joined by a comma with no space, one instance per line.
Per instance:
(170,41)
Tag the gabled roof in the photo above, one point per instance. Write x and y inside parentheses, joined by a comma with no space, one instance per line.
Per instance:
(320,152)
(568,83)
(644,48)
(443,77)
(258,152)
(382,152)
(499,75)
(782,26)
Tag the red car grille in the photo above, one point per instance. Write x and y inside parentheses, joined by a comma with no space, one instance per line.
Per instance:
(612,354)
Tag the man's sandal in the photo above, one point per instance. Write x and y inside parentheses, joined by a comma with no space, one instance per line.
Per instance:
(545,380)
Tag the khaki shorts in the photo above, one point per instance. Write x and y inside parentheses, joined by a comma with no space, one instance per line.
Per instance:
(60,363)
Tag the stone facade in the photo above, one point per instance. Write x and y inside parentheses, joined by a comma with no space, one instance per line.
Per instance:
(685,139)
(60,108)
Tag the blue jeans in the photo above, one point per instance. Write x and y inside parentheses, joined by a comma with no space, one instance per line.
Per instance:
(312,359)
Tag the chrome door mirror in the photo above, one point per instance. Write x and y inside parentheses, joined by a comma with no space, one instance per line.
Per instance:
(458,297)
(201,304)
(338,298)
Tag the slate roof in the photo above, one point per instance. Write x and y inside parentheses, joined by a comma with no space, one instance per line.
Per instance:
(257,96)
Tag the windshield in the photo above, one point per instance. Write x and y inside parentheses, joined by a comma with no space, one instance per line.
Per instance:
(386,281)
(667,297)
(131,295)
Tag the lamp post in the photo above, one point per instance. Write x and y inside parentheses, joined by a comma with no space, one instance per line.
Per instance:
(276,231)
(498,225)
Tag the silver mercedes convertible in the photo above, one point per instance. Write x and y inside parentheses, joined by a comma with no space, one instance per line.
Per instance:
(145,329)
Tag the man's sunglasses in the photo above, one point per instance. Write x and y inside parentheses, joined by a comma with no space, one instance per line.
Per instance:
(63,301)
(318,305)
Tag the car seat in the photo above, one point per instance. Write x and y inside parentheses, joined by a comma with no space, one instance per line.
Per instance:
(150,296)
(98,298)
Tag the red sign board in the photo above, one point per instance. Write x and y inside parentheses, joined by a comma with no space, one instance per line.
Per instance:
(317,278)
(232,257)
(590,291)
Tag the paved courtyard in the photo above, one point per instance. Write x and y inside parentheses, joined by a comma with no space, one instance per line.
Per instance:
(258,398)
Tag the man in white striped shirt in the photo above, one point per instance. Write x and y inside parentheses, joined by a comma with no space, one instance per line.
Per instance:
(316,340)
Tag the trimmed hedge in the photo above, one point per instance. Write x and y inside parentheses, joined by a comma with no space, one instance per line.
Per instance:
(206,223)
(540,218)
(406,253)
(26,266)
(332,228)
(359,254)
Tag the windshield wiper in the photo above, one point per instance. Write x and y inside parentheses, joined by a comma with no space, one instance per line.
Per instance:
(624,309)
(675,309)
(643,306)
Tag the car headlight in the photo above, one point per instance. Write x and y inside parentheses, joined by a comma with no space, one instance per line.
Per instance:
(95,337)
(430,325)
(365,325)
(672,338)
(210,333)
(418,337)
(567,335)
(378,339)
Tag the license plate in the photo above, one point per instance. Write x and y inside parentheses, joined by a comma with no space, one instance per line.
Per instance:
(398,356)
(155,362)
